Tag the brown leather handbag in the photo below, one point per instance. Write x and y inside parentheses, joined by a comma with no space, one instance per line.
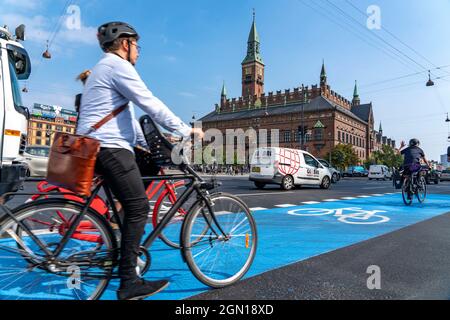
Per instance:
(72,159)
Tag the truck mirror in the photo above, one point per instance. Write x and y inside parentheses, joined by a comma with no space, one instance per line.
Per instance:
(20,32)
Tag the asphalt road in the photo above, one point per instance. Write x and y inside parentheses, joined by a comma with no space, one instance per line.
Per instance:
(411,249)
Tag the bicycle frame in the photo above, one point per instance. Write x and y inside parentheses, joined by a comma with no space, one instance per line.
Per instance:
(194,186)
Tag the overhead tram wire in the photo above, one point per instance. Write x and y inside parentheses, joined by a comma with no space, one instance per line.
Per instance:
(404,85)
(352,31)
(345,14)
(54,33)
(375,41)
(398,78)
(398,39)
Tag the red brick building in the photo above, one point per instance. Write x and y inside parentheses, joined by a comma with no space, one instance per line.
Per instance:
(314,118)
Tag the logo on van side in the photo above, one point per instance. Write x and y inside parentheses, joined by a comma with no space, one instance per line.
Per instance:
(289,162)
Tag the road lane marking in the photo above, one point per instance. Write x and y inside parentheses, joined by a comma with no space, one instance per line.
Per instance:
(330,200)
(363,197)
(348,198)
(377,195)
(310,202)
(261,194)
(258,209)
(285,205)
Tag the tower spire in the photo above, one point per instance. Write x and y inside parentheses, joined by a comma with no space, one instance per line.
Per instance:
(253,66)
(381,129)
(323,75)
(356,99)
(253,43)
(224,90)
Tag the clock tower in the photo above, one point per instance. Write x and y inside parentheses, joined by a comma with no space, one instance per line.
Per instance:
(253,66)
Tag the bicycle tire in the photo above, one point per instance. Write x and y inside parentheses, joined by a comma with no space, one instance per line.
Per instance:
(421,183)
(27,211)
(225,275)
(176,224)
(407,199)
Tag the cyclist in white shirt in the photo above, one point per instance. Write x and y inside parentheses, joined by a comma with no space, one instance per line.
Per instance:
(114,82)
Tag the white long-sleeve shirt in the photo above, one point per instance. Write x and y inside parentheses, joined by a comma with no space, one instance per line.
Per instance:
(113,83)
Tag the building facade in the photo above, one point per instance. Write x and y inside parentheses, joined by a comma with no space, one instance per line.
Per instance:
(313,118)
(46,120)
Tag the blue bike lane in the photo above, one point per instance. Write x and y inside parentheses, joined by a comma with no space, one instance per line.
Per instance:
(290,235)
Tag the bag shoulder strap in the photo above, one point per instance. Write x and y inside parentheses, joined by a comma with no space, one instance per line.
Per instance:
(108,118)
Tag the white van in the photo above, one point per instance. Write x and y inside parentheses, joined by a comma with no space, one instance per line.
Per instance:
(287,168)
(379,172)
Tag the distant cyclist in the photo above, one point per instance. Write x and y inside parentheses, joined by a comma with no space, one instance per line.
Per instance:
(414,156)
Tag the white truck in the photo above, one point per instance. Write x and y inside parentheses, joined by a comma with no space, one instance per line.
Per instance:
(14,66)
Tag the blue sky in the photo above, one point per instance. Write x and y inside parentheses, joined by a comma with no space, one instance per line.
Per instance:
(191,47)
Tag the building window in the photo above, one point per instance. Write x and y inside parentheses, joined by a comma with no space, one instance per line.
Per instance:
(346,138)
(287,136)
(318,134)
(39,126)
(59,128)
(339,136)
(38,142)
(39,133)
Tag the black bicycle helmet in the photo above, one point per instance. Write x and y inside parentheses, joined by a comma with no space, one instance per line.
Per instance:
(111,31)
(414,143)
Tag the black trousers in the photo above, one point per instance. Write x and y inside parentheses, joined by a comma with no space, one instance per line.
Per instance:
(122,174)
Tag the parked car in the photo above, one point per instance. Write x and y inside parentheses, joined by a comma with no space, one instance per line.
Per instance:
(335,174)
(379,172)
(287,168)
(433,176)
(36,158)
(445,175)
(356,171)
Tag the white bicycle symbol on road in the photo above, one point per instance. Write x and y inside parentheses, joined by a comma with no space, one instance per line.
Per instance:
(345,215)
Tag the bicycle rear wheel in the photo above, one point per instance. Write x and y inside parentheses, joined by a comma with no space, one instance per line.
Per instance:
(406,192)
(81,272)
(421,189)
(219,260)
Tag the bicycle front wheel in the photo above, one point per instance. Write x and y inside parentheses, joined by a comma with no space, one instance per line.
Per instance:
(81,272)
(219,259)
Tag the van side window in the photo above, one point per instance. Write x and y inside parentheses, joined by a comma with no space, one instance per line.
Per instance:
(311,161)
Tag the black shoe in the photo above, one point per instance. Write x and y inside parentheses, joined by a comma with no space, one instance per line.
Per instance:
(140,289)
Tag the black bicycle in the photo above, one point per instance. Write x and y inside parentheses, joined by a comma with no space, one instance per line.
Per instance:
(60,249)
(414,185)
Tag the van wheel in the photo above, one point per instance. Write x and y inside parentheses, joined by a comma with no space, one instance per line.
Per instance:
(325,183)
(287,183)
(335,178)
(260,185)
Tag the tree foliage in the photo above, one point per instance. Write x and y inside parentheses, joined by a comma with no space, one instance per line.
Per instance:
(344,156)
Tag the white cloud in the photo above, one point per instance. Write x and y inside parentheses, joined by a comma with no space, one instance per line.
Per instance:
(38,29)
(187,94)
(22,4)
(170,58)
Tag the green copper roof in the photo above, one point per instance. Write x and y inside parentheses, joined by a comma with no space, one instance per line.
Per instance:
(319,125)
(224,90)
(355,92)
(323,73)
(253,46)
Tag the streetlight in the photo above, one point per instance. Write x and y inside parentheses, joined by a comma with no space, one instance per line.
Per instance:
(430,82)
